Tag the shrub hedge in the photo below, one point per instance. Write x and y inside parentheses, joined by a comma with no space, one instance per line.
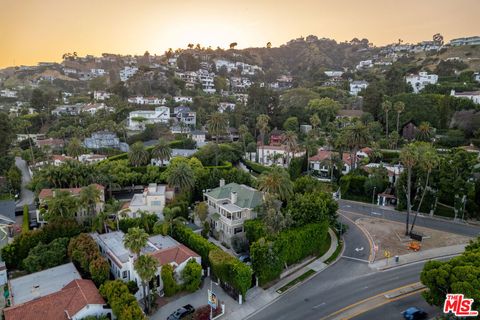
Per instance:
(123,303)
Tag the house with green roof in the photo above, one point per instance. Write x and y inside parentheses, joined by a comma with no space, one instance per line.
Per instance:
(229,206)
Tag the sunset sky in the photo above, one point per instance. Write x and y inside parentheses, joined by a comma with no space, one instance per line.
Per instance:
(42,30)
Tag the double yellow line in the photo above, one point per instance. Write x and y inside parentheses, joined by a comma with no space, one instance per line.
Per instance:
(382,301)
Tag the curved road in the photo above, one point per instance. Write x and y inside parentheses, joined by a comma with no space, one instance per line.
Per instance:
(26,196)
(351,279)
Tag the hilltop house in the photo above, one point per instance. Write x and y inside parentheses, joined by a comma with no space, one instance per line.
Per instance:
(164,249)
(185,153)
(81,213)
(229,206)
(357,86)
(199,137)
(421,80)
(57,293)
(101,95)
(182,99)
(138,119)
(471,95)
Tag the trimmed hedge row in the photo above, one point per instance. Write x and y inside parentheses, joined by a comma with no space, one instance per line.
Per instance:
(226,267)
(288,247)
(255,167)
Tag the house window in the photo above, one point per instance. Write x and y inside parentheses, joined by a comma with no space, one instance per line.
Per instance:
(156,203)
(237,230)
(124,274)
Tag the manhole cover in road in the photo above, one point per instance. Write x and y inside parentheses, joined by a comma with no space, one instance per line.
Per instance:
(306,299)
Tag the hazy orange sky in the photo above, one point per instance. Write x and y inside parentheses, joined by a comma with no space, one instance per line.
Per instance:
(42,30)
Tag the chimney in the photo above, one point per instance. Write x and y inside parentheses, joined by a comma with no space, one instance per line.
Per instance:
(233,197)
(222,182)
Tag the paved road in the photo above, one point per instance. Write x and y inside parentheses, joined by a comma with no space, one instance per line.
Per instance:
(26,196)
(351,280)
(423,221)
(394,309)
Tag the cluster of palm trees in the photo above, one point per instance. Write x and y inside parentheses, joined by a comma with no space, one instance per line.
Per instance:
(138,155)
(145,265)
(63,204)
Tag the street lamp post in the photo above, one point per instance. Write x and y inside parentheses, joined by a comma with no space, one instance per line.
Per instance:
(373,196)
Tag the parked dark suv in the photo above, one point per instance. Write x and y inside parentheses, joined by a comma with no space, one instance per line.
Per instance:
(414,313)
(181,312)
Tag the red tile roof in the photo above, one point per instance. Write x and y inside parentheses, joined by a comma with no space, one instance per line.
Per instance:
(177,254)
(70,300)
(50,142)
(46,193)
(323,155)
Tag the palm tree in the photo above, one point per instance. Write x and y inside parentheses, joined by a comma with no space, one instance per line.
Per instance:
(399,107)
(181,176)
(386,106)
(89,197)
(291,143)
(171,217)
(146,267)
(137,155)
(424,131)
(135,239)
(356,136)
(61,204)
(217,125)
(233,45)
(311,147)
(276,181)
(243,132)
(315,122)
(428,160)
(74,148)
(409,158)
(262,126)
(269,45)
(162,151)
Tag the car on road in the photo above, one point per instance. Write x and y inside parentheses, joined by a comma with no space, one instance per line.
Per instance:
(414,313)
(182,312)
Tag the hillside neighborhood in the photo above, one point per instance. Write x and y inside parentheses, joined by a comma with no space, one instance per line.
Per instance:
(206,183)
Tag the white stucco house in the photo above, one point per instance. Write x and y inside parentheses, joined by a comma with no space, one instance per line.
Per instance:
(471,95)
(164,249)
(153,199)
(421,80)
(269,155)
(357,86)
(321,163)
(138,119)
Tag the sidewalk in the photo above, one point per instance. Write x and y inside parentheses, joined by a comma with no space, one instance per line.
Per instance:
(418,256)
(256,299)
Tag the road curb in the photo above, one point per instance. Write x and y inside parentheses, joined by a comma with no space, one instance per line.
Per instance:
(418,261)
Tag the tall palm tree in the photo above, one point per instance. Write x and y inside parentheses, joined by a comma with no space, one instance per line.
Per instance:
(75,148)
(424,131)
(409,158)
(357,136)
(135,239)
(399,107)
(243,132)
(386,106)
(428,160)
(315,122)
(291,144)
(61,204)
(262,126)
(311,147)
(146,267)
(137,155)
(171,217)
(276,181)
(217,125)
(162,151)
(181,176)
(89,197)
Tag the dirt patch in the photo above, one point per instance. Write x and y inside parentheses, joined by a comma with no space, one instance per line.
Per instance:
(390,235)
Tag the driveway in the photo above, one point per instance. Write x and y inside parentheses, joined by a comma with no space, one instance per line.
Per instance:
(26,196)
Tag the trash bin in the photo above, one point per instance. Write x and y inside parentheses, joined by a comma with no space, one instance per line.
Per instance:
(396,259)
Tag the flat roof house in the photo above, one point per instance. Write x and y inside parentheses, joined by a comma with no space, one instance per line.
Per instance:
(229,206)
